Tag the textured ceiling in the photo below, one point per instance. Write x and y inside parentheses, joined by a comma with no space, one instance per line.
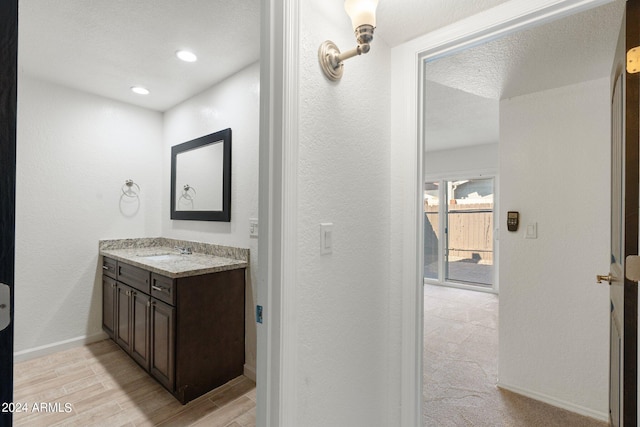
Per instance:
(574,49)
(399,21)
(107,46)
(455,118)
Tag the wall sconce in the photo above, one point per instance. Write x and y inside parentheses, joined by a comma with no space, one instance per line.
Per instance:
(363,20)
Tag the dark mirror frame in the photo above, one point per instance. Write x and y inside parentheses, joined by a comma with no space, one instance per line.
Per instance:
(222,137)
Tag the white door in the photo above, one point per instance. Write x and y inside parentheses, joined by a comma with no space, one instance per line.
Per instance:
(623,383)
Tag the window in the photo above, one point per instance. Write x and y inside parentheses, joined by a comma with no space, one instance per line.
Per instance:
(458,241)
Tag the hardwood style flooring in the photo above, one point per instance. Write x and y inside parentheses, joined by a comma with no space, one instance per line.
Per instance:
(101,386)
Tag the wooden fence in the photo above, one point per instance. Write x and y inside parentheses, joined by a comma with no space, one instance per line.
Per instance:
(470,232)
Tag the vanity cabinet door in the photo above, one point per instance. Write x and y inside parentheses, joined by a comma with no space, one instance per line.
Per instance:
(123,317)
(140,304)
(109,295)
(163,343)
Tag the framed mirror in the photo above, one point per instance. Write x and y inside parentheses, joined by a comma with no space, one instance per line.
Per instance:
(201,178)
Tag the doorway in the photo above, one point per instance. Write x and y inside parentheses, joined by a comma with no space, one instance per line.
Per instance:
(541,171)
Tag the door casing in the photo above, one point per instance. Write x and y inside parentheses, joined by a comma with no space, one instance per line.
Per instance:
(408,144)
(8,119)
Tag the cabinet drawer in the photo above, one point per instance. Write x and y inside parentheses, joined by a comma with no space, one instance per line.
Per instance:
(109,267)
(134,277)
(163,288)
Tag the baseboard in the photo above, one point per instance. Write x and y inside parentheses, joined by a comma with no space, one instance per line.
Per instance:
(556,402)
(44,350)
(250,372)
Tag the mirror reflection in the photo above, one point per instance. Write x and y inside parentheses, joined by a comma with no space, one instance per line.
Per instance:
(201,178)
(200,168)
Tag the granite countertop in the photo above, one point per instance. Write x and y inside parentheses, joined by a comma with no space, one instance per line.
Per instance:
(159,255)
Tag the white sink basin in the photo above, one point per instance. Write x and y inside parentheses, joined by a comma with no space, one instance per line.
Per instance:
(162,257)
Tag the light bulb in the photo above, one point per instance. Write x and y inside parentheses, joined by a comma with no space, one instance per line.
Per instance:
(140,90)
(186,56)
(361,12)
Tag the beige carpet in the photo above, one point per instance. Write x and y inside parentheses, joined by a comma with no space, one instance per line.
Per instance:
(460,368)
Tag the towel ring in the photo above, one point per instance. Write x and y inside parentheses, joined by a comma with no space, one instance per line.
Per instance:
(130,188)
(185,192)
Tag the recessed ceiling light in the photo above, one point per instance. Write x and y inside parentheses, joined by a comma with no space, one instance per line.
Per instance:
(140,90)
(186,56)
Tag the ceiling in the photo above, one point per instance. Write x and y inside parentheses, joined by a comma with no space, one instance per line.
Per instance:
(106,46)
(398,21)
(463,90)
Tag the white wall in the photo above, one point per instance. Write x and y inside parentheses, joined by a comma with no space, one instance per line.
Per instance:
(74,153)
(343,346)
(462,160)
(554,167)
(233,103)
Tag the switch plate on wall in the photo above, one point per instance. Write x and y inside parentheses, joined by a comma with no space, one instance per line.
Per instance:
(326,238)
(253,227)
(532,231)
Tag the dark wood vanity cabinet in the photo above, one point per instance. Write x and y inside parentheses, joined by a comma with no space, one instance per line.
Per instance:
(188,333)
(163,343)
(109,295)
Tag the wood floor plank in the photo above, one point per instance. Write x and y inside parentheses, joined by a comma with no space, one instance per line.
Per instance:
(248,419)
(35,389)
(233,392)
(105,387)
(93,417)
(194,413)
(226,414)
(252,394)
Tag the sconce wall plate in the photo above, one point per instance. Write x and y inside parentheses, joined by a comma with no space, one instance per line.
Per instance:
(326,55)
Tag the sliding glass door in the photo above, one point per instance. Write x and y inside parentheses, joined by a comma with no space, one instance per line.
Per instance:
(458,239)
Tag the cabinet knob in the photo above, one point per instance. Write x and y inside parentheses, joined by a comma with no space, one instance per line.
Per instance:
(113,285)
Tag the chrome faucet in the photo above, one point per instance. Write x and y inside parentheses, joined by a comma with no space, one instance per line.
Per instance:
(184,250)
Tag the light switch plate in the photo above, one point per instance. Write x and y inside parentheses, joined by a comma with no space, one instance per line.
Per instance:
(326,238)
(532,231)
(253,228)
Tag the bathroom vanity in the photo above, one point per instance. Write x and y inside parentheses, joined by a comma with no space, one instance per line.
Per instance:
(179,316)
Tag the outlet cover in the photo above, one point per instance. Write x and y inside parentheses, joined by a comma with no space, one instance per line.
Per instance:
(326,238)
(253,228)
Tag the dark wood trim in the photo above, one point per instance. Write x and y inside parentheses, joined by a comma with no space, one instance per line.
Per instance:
(224,137)
(8,119)
(632,176)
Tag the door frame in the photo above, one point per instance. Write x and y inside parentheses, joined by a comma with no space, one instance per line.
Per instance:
(407,148)
(8,121)
(276,362)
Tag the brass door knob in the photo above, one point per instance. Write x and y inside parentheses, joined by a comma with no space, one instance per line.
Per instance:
(607,278)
